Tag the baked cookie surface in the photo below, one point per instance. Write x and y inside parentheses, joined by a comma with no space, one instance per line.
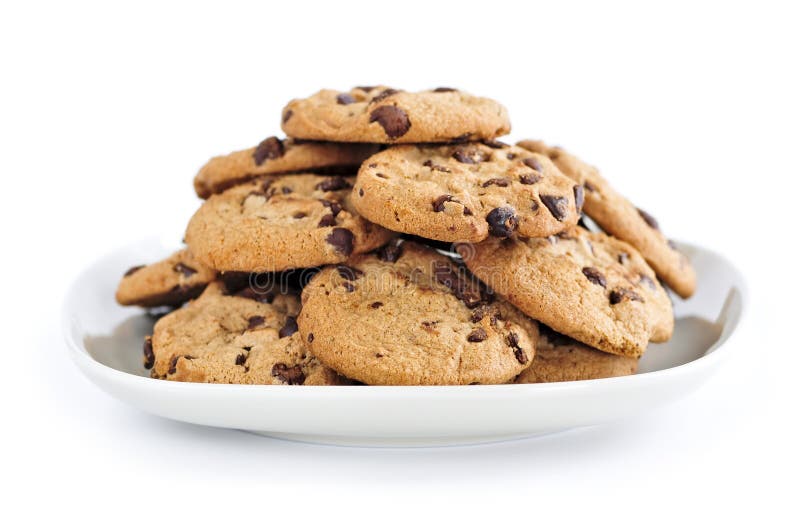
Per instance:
(386,116)
(170,282)
(274,224)
(466,192)
(276,156)
(408,315)
(620,218)
(588,286)
(560,359)
(234,339)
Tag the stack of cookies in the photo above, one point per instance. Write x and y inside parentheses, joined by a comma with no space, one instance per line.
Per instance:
(392,240)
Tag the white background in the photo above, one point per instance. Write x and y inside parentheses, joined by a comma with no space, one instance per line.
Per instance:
(107,112)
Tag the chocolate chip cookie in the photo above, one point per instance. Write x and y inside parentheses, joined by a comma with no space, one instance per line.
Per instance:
(620,218)
(589,286)
(245,338)
(172,281)
(276,156)
(409,315)
(466,192)
(279,223)
(385,115)
(559,358)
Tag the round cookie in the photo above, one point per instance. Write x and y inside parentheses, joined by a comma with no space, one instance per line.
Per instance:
(589,286)
(276,156)
(233,339)
(408,315)
(172,281)
(279,223)
(466,192)
(560,359)
(620,218)
(384,115)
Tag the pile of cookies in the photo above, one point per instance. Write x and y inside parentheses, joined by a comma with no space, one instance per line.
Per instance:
(391,239)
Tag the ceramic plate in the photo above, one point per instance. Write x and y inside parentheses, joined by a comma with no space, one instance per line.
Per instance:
(105,341)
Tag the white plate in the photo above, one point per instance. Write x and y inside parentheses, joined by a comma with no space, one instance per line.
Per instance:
(105,341)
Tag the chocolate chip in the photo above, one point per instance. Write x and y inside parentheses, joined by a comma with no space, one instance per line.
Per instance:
(270,148)
(376,304)
(578,191)
(468,294)
(345,99)
(532,162)
(589,186)
(497,181)
(366,88)
(286,190)
(348,272)
(149,355)
(502,221)
(241,358)
(530,179)
(393,120)
(299,215)
(293,375)
(173,363)
(594,275)
(184,270)
(469,155)
(513,342)
(327,220)
(310,338)
(481,312)
(132,270)
(557,205)
(622,258)
(511,156)
(444,89)
(619,294)
(349,286)
(494,144)
(361,192)
(254,321)
(287,115)
(438,203)
(342,241)
(378,355)
(333,183)
(477,335)
(436,167)
(383,95)
(334,206)
(648,218)
(391,251)
(534,206)
(289,328)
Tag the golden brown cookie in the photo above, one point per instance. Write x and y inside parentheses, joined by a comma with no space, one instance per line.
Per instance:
(620,218)
(466,192)
(589,286)
(560,358)
(234,339)
(172,281)
(275,156)
(279,223)
(384,115)
(408,315)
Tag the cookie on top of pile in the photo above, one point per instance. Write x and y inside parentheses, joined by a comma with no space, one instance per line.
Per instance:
(402,243)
